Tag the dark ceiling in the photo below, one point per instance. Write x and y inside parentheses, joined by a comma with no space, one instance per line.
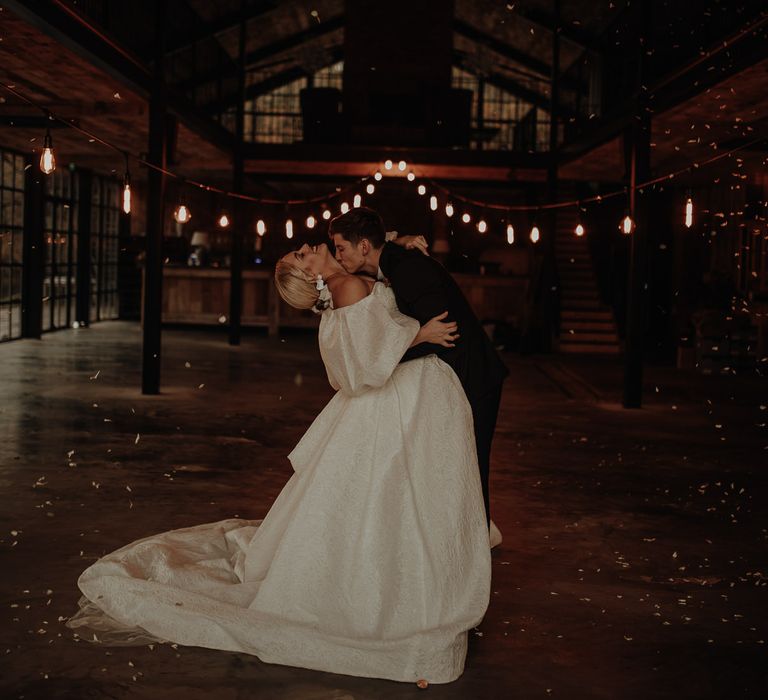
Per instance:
(98,73)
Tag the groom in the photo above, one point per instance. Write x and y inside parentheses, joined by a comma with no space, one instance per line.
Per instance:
(424,289)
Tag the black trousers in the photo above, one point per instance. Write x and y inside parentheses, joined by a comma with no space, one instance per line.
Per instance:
(485,411)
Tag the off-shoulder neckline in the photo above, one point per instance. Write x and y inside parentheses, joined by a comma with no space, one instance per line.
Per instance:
(371,294)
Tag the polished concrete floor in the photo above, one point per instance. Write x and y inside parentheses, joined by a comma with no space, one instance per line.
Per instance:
(634,557)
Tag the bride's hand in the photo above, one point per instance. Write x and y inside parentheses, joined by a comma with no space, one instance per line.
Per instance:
(413,242)
(438,332)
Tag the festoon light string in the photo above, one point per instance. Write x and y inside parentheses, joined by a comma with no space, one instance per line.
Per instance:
(368,182)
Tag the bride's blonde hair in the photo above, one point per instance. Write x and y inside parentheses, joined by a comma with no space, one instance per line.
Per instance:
(295,287)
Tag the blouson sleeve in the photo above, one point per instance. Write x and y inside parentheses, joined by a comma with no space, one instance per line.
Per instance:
(362,344)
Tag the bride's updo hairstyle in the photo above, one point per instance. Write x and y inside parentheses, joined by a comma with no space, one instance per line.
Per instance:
(295,286)
(298,289)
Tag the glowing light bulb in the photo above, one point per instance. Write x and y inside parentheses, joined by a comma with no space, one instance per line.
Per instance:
(627,225)
(688,213)
(288,228)
(47,158)
(433,203)
(261,227)
(401,166)
(182,214)
(47,161)
(411,177)
(223,221)
(127,197)
(579,230)
(326,214)
(344,207)
(535,234)
(387,165)
(510,234)
(311,221)
(370,188)
(449,209)
(482,227)
(357,201)
(466,218)
(422,190)
(377,176)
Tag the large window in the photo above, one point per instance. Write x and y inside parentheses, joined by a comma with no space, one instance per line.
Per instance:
(60,236)
(502,121)
(275,117)
(105,218)
(506,122)
(62,201)
(331,76)
(11,243)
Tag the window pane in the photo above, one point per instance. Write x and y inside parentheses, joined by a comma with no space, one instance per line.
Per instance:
(6,207)
(275,117)
(18,208)
(8,174)
(6,238)
(18,246)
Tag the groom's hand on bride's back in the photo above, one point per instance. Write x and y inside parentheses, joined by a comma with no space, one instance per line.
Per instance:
(439,331)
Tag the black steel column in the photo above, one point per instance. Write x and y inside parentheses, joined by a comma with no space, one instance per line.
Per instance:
(239,210)
(551,291)
(480,115)
(83,279)
(153,265)
(33,251)
(554,107)
(639,135)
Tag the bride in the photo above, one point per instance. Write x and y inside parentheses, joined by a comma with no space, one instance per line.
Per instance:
(374,559)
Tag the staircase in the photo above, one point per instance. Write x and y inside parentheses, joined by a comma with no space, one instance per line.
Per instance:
(586,324)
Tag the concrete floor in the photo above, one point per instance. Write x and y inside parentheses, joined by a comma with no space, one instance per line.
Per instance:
(634,561)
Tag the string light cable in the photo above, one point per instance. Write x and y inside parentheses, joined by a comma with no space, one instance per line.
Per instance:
(351,190)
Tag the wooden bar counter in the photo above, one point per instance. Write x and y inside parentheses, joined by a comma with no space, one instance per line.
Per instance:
(200,296)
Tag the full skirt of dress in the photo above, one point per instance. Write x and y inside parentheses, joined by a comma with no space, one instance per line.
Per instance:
(373,561)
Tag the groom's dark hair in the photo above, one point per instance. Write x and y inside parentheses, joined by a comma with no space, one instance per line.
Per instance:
(357,224)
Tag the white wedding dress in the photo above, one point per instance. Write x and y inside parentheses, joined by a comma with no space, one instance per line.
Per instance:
(374,560)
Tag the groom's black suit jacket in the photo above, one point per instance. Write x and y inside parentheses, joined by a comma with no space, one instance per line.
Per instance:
(423,289)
